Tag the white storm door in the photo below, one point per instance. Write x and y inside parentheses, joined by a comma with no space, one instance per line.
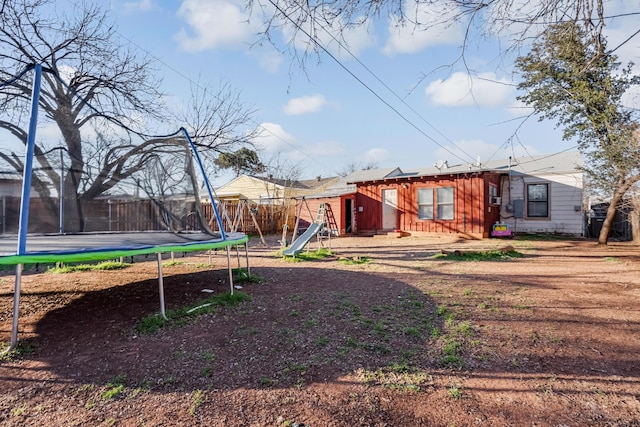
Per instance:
(389,209)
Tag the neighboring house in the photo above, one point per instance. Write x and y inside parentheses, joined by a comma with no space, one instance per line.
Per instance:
(268,190)
(11,184)
(339,200)
(531,194)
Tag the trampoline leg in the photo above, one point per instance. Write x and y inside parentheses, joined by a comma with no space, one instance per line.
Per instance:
(238,256)
(246,252)
(161,286)
(230,270)
(16,310)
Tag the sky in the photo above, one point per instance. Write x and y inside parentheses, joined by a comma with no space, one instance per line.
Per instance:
(396,98)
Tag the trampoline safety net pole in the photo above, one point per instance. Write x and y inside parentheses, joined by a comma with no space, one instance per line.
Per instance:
(24,204)
(161,286)
(230,269)
(246,252)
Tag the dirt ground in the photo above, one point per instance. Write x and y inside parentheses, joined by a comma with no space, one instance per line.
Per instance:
(408,339)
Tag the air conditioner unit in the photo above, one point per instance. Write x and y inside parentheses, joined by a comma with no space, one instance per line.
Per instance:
(496,200)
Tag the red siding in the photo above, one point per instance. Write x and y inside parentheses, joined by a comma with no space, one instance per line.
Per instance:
(336,214)
(473,215)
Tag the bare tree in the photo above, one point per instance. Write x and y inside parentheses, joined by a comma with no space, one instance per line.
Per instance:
(356,166)
(517,22)
(94,91)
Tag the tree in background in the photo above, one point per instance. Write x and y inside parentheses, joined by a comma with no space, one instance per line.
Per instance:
(517,23)
(570,77)
(242,161)
(356,166)
(87,64)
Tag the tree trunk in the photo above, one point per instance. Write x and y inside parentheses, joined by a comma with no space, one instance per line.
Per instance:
(603,238)
(634,219)
(620,190)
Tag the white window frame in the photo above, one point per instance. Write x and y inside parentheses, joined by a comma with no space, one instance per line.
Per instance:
(425,203)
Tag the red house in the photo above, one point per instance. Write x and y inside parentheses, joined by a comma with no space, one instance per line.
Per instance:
(534,194)
(448,201)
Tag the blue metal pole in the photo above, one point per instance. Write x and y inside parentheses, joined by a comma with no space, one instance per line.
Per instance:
(24,205)
(206,181)
(28,163)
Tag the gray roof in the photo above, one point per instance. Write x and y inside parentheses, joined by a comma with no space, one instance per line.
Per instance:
(307,184)
(10,176)
(549,164)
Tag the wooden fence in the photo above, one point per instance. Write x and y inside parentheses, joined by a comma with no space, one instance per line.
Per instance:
(143,214)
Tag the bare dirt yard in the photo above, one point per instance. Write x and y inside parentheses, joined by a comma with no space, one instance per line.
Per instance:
(386,332)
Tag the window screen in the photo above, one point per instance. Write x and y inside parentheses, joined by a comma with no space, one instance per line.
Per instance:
(538,200)
(425,203)
(445,203)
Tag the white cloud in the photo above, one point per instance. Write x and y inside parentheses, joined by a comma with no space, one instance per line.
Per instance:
(304,105)
(138,6)
(376,155)
(461,90)
(435,28)
(268,58)
(273,138)
(334,37)
(326,149)
(214,24)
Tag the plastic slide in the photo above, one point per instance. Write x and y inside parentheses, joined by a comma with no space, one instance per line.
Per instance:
(299,244)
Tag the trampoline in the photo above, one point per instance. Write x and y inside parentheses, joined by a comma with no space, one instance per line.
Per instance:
(155,200)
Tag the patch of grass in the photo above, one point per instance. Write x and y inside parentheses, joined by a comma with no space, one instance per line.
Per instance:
(173,263)
(61,268)
(180,316)
(522,306)
(441,310)
(455,392)
(322,341)
(310,256)
(115,387)
(356,260)
(495,255)
(22,349)
(19,411)
(197,399)
(464,328)
(266,381)
(241,275)
(399,377)
(208,356)
(206,372)
(411,331)
(543,237)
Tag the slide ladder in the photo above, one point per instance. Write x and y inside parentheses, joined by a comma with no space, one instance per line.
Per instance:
(298,245)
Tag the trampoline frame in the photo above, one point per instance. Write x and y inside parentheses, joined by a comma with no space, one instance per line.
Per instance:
(94,253)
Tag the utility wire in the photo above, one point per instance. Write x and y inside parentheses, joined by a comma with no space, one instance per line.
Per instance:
(374,93)
(375,76)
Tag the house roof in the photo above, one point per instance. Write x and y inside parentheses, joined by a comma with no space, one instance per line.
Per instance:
(345,185)
(305,184)
(10,176)
(549,164)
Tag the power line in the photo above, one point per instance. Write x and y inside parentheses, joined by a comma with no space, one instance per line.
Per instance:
(402,100)
(373,92)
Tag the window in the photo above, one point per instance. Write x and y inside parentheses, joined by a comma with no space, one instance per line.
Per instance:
(425,203)
(265,199)
(538,200)
(494,199)
(445,203)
